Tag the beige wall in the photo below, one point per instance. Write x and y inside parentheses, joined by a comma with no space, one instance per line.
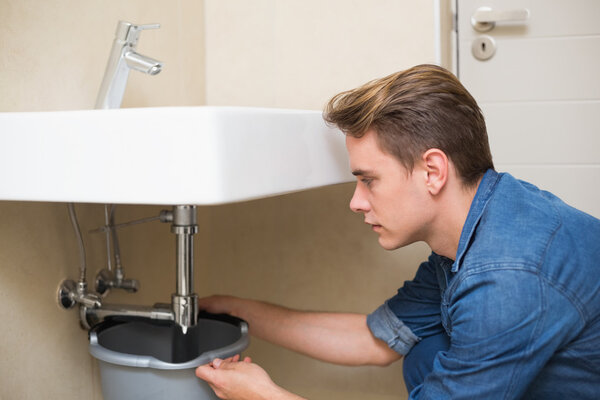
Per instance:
(304,250)
(298,53)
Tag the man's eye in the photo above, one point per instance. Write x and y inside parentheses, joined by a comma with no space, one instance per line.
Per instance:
(367,181)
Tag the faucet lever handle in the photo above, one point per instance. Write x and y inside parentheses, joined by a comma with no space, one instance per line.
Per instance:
(134,32)
(130,33)
(146,26)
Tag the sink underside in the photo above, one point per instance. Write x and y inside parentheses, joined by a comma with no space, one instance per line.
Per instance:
(167,155)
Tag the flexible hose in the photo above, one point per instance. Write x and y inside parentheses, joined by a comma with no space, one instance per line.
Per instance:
(82,264)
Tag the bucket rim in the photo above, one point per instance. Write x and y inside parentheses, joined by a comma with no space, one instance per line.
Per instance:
(143,361)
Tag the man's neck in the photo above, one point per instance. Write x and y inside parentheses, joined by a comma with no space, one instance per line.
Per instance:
(454,205)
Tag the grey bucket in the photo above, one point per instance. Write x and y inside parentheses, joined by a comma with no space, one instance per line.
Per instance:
(149,359)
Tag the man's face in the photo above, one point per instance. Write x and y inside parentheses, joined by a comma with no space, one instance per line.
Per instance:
(393,200)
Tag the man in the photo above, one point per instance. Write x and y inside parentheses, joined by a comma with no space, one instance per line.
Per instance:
(508,304)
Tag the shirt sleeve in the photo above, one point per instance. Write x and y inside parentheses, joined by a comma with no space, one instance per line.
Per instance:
(413,313)
(503,332)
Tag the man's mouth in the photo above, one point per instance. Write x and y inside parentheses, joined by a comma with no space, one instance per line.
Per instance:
(374,227)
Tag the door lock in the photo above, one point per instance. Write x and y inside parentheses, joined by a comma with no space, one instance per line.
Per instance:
(483,48)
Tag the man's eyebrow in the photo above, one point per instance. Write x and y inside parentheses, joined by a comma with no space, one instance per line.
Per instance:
(360,172)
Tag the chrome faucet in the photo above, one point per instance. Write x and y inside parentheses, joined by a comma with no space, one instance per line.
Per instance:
(123,57)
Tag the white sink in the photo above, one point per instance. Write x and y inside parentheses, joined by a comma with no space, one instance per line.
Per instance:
(167,155)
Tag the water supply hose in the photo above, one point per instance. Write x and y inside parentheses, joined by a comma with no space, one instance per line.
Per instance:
(75,224)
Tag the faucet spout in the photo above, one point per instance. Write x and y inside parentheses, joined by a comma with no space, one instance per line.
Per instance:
(123,57)
(142,63)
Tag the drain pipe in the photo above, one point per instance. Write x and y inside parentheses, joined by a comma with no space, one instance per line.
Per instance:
(184,301)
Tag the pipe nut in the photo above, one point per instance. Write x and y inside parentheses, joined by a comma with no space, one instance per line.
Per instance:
(185,309)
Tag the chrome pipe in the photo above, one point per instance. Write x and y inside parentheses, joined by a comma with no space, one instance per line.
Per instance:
(108,279)
(185,264)
(93,316)
(184,300)
(107,234)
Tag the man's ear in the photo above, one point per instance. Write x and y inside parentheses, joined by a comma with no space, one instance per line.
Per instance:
(436,167)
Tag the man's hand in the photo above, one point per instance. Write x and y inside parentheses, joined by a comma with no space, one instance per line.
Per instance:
(232,379)
(218,304)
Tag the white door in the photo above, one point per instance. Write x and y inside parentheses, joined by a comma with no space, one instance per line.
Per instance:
(536,75)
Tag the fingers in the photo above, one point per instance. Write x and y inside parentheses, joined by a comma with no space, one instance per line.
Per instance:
(239,379)
(216,304)
(217,362)
(229,359)
(208,304)
(212,373)
(209,374)
(205,372)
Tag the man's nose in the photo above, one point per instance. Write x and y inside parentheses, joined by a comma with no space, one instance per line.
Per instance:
(359,203)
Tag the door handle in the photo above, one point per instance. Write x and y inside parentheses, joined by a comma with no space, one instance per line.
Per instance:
(485,18)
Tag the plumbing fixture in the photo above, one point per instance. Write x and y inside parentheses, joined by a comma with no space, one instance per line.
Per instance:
(91,316)
(184,302)
(69,292)
(106,279)
(122,58)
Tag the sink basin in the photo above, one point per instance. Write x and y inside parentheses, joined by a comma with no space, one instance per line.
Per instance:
(167,155)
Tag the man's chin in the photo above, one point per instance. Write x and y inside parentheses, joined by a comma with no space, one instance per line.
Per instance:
(389,245)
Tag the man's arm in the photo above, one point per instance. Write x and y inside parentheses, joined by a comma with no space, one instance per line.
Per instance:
(338,338)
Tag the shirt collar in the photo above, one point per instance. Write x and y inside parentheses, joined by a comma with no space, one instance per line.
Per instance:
(482,196)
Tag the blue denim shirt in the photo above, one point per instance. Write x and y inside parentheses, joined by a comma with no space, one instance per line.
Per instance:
(521,302)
